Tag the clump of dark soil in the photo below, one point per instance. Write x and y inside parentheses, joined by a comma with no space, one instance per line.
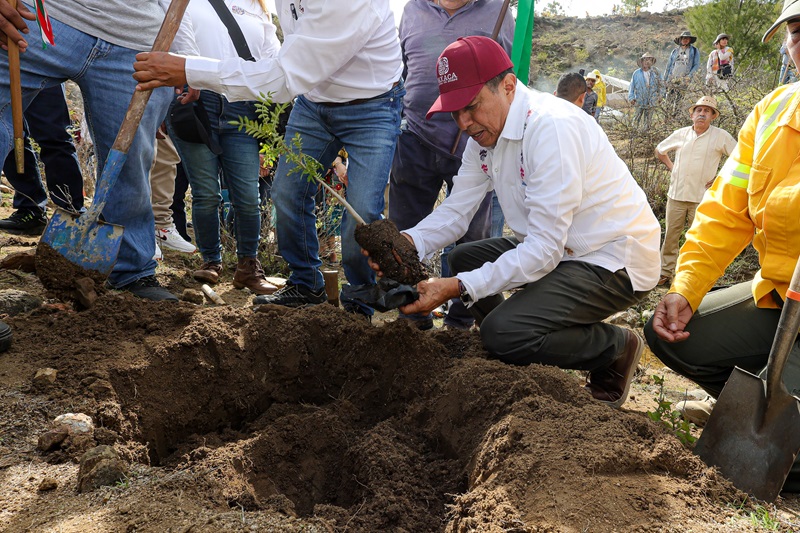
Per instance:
(395,254)
(315,420)
(66,279)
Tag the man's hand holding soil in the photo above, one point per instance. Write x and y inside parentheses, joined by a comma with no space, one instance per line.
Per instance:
(432,293)
(159,69)
(12,24)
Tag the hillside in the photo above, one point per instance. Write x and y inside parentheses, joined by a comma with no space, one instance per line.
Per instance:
(611,44)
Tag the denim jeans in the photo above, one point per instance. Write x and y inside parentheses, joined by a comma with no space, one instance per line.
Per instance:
(46,121)
(239,164)
(368,131)
(103,71)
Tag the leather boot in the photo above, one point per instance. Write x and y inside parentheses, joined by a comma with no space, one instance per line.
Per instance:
(208,273)
(250,274)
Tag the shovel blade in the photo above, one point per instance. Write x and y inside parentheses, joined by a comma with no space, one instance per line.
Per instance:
(752,443)
(83,240)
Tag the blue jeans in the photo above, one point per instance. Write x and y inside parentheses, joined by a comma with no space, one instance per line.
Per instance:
(46,120)
(239,163)
(368,131)
(103,72)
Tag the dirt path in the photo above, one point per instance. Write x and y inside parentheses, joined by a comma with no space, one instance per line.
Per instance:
(315,420)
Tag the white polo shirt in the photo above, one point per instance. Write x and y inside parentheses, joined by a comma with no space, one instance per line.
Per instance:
(564,192)
(333,51)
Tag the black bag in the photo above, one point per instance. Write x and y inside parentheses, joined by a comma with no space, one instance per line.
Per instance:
(725,71)
(191,124)
(190,121)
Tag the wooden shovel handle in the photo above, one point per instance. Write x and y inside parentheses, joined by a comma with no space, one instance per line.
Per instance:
(127,131)
(15,84)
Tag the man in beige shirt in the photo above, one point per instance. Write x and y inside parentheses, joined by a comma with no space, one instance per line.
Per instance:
(698,150)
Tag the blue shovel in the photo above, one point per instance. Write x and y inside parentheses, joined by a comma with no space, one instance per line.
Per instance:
(84,240)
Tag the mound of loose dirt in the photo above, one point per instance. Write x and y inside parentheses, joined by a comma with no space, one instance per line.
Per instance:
(315,420)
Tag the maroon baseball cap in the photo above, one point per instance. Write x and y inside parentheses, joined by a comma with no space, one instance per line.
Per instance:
(462,70)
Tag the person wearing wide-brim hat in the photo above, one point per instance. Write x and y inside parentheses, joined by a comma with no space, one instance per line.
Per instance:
(683,62)
(702,334)
(685,35)
(698,150)
(720,37)
(646,55)
(719,67)
(644,91)
(791,10)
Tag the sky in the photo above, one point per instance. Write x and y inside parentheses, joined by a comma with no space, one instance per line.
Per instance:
(573,8)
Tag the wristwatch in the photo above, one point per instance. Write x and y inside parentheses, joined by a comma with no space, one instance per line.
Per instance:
(462,293)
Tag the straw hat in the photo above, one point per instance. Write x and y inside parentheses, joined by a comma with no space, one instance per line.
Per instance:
(688,34)
(791,9)
(720,37)
(708,101)
(648,55)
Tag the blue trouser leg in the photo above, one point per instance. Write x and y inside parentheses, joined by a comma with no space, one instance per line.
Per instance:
(368,131)
(103,72)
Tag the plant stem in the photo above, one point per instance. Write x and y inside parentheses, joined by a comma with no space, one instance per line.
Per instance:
(342,201)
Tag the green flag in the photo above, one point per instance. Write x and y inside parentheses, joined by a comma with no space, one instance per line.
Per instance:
(523,35)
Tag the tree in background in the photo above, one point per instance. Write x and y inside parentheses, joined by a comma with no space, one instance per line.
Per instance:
(744,20)
(632,7)
(553,9)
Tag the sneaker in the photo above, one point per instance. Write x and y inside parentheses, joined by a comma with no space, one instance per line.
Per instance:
(611,384)
(5,336)
(292,295)
(24,222)
(208,273)
(158,256)
(149,288)
(170,238)
(697,411)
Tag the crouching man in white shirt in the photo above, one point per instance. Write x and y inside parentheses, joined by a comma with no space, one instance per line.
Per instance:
(585,240)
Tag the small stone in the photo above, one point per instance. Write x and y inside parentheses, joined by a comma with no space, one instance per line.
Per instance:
(24,261)
(193,296)
(44,377)
(48,483)
(100,466)
(75,422)
(52,439)
(85,292)
(124,509)
(14,302)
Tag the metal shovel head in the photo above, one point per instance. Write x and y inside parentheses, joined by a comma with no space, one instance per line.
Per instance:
(752,443)
(83,240)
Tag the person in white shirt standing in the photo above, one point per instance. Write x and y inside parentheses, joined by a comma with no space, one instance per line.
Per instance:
(343,59)
(698,150)
(585,241)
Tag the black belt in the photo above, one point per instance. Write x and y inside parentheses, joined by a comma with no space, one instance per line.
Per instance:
(359,100)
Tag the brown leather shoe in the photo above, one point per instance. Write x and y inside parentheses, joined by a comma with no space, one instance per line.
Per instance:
(249,274)
(208,273)
(663,280)
(611,384)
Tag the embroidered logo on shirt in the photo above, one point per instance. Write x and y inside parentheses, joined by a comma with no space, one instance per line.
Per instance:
(236,10)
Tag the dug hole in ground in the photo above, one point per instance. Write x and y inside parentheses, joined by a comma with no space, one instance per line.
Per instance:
(315,420)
